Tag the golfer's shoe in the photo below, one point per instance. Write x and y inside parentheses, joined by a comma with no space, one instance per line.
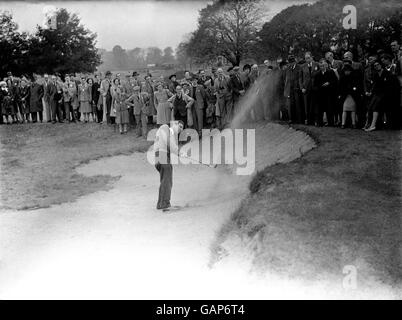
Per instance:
(172,208)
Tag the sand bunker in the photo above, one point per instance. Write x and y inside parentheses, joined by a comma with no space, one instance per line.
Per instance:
(115,244)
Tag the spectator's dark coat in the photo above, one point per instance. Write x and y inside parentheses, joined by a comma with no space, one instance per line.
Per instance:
(236,85)
(350,84)
(291,80)
(36,92)
(6,102)
(306,77)
(384,92)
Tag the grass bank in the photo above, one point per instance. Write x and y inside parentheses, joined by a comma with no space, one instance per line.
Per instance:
(38,161)
(338,205)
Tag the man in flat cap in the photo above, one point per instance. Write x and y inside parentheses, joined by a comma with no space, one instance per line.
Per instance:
(139,101)
(292,91)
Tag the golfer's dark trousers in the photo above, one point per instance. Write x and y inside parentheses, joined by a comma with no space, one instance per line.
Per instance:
(165,188)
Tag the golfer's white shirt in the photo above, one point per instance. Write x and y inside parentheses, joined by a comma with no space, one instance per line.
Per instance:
(165,141)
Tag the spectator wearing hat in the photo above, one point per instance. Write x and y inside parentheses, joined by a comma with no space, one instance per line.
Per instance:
(105,91)
(211,103)
(245,77)
(324,87)
(135,77)
(120,107)
(139,100)
(307,71)
(291,91)
(67,99)
(172,83)
(36,92)
(224,99)
(85,98)
(333,64)
(350,93)
(200,102)
(214,75)
(163,106)
(237,87)
(149,88)
(52,92)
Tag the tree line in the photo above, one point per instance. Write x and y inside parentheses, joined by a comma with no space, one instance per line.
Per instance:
(237,31)
(137,58)
(67,48)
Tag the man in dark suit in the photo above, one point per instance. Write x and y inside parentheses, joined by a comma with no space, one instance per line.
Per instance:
(35,100)
(237,87)
(333,64)
(291,90)
(306,86)
(54,96)
(324,86)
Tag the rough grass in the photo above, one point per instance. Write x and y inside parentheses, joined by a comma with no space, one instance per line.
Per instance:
(38,161)
(340,204)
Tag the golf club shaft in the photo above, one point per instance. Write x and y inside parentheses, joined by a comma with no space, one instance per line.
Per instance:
(204,164)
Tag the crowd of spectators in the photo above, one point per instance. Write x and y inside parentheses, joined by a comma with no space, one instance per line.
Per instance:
(328,91)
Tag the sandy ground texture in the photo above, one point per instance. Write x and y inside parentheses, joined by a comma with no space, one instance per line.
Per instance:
(115,244)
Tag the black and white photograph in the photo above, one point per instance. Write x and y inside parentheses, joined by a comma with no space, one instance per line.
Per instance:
(202,150)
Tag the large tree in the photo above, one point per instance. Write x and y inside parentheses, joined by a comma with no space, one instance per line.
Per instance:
(318,27)
(14,46)
(68,48)
(226,28)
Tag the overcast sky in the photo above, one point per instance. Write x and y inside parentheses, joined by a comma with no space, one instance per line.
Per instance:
(127,23)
